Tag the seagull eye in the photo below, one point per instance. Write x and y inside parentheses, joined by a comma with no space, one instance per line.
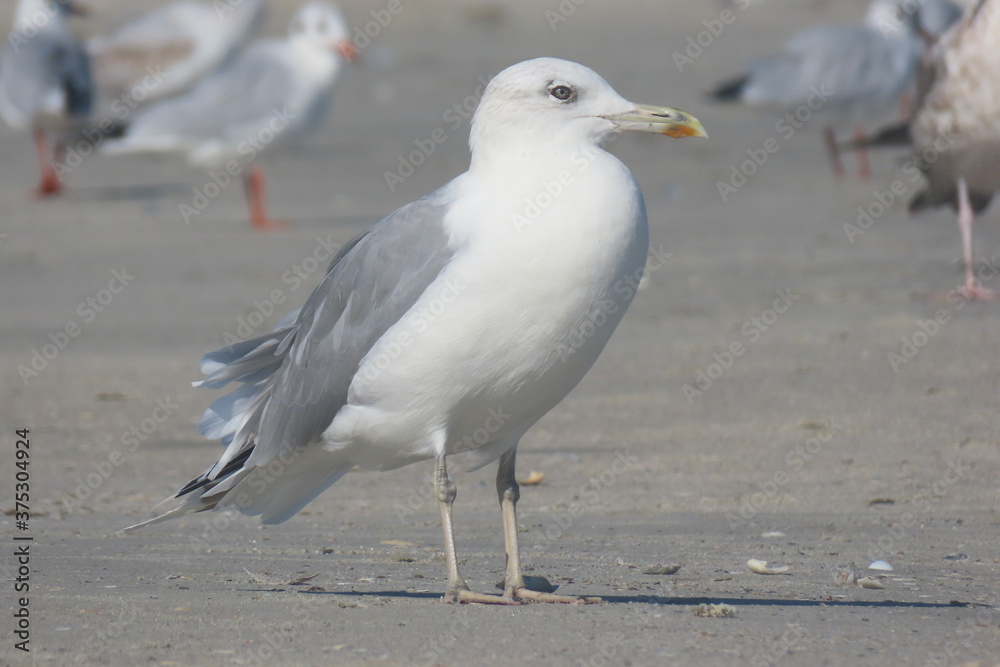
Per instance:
(562,93)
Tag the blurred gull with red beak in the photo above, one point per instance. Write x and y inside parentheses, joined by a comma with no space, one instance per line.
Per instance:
(454,324)
(273,91)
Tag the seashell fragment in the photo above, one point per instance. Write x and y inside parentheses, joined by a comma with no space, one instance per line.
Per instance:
(880,565)
(868,582)
(760,567)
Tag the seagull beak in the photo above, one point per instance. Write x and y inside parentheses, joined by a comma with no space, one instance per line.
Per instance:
(347,50)
(659,120)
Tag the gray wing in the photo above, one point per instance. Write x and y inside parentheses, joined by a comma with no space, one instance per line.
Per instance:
(853,62)
(172,39)
(243,93)
(35,70)
(296,378)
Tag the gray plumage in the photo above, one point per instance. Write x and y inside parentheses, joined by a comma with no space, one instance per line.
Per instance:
(295,379)
(852,70)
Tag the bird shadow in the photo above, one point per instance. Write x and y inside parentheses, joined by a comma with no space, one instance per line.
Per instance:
(685,601)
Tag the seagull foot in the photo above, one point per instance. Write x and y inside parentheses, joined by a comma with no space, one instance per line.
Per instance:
(976,292)
(538,596)
(48,188)
(465,596)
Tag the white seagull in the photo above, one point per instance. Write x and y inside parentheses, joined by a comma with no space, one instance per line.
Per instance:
(167,50)
(850,72)
(452,325)
(956,128)
(273,91)
(45,82)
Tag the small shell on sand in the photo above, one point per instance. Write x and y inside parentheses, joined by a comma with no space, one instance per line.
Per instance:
(760,567)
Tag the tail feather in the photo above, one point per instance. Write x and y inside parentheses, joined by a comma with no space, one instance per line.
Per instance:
(260,487)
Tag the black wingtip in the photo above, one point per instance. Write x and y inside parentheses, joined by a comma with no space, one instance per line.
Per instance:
(729,91)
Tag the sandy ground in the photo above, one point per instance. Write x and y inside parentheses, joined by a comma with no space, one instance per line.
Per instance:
(810,448)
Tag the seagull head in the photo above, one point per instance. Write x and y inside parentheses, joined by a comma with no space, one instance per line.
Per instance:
(894,17)
(547,103)
(322,23)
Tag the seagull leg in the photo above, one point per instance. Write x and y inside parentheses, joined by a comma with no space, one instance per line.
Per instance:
(458,590)
(509,493)
(831,149)
(864,164)
(973,289)
(254,186)
(50,183)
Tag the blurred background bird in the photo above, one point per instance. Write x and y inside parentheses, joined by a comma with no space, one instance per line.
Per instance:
(175,45)
(956,127)
(850,74)
(273,91)
(45,80)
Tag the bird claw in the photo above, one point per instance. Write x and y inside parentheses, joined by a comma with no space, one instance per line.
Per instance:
(513,597)
(976,292)
(538,596)
(465,596)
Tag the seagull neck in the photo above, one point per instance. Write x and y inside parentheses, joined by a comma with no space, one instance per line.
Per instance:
(527,159)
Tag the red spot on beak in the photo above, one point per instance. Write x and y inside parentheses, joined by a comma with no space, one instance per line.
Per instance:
(347,50)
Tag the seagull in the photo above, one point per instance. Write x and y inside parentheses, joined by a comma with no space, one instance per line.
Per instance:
(273,91)
(453,324)
(173,46)
(45,82)
(844,72)
(956,127)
